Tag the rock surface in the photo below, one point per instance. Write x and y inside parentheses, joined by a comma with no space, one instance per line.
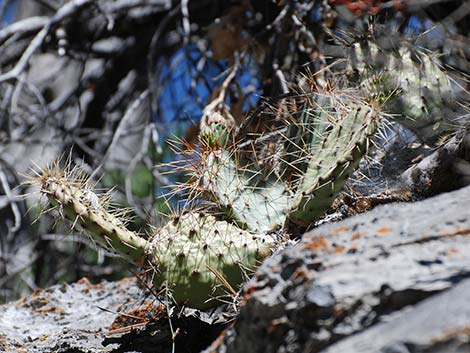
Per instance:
(439,324)
(106,317)
(396,279)
(350,277)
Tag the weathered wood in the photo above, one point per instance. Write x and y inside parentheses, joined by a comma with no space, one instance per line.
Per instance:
(344,278)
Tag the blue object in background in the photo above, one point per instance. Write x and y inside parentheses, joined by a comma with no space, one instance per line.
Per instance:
(9,15)
(181,98)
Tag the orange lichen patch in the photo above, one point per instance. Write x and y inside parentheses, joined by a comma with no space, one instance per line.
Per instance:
(249,291)
(88,285)
(39,304)
(338,249)
(37,292)
(453,251)
(321,244)
(137,317)
(338,230)
(450,334)
(459,231)
(123,284)
(277,324)
(383,230)
(57,310)
(34,301)
(85,281)
(358,235)
(300,273)
(338,311)
(317,244)
(127,280)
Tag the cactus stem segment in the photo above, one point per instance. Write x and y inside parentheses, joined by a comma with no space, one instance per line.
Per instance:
(72,194)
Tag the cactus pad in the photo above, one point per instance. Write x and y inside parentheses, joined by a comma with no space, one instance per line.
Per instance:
(333,159)
(194,255)
(197,256)
(74,198)
(411,85)
(253,200)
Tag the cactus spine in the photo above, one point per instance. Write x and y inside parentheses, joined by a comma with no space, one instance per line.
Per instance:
(196,255)
(414,89)
(334,157)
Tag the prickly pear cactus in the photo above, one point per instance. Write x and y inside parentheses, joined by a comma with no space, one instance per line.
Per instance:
(335,154)
(194,255)
(207,253)
(411,85)
(199,257)
(256,202)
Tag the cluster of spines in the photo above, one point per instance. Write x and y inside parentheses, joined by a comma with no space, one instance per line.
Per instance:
(195,255)
(74,198)
(200,256)
(411,85)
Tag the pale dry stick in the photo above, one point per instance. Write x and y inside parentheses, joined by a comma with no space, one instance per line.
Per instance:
(29,24)
(28,53)
(128,115)
(12,200)
(67,10)
(152,59)
(218,103)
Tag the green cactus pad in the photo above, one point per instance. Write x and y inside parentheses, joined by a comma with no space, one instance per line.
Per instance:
(333,159)
(191,248)
(411,85)
(78,203)
(257,202)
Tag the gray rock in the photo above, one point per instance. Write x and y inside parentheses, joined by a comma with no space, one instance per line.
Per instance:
(392,280)
(347,278)
(439,324)
(107,317)
(65,317)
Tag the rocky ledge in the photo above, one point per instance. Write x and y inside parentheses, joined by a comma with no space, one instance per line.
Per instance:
(396,279)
